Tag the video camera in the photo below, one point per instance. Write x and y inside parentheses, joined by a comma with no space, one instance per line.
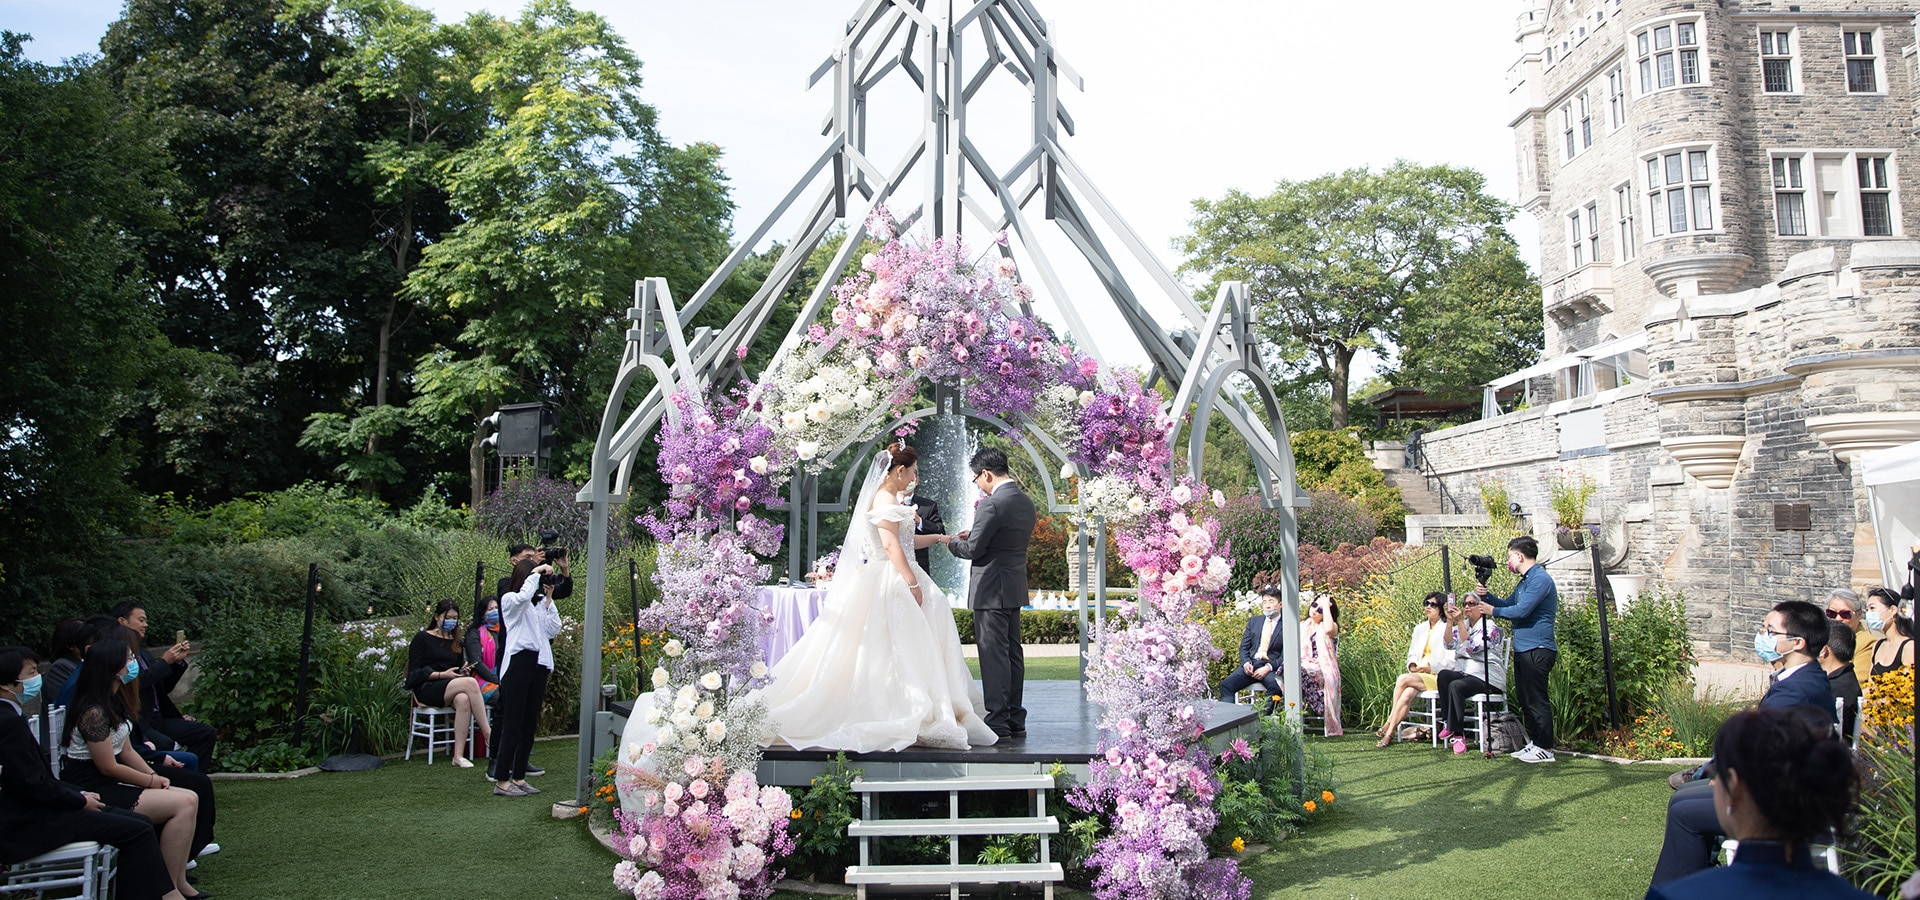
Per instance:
(1483,566)
(553,555)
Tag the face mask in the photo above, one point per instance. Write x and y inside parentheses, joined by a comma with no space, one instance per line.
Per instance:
(448,625)
(1764,645)
(1513,568)
(493,617)
(132,672)
(29,689)
(1874,621)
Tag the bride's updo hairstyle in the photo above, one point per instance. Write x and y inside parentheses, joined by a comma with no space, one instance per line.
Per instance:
(903,455)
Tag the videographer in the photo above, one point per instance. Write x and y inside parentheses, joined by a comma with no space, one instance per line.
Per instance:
(1531,609)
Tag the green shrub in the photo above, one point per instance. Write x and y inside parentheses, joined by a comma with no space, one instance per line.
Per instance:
(1651,650)
(1037,626)
(561,713)
(1260,799)
(1255,535)
(249,671)
(822,812)
(361,704)
(1335,461)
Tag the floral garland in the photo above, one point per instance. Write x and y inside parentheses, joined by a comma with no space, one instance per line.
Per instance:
(912,313)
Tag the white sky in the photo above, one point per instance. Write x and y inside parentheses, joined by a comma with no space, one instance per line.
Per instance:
(1182,100)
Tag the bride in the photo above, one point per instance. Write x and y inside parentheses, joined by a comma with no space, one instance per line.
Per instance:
(880,669)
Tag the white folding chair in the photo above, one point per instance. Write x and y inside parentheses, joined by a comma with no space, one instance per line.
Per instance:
(434,724)
(1475,721)
(82,866)
(1430,716)
(1824,849)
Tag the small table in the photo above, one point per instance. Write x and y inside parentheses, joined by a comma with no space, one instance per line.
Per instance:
(794,608)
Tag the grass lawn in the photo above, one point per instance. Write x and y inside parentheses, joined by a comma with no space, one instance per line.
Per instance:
(1414,822)
(1410,822)
(1042,668)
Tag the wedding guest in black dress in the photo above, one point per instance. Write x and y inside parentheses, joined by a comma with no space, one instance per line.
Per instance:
(101,757)
(438,676)
(38,813)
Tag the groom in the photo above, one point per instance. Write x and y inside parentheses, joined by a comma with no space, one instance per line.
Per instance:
(997,545)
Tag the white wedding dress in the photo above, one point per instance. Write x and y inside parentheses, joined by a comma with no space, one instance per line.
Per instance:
(877,671)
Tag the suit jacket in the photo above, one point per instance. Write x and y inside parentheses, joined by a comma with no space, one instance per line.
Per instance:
(1760,869)
(1002,527)
(1250,641)
(157,680)
(1807,686)
(930,523)
(28,791)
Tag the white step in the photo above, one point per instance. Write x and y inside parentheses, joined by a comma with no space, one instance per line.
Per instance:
(1012,873)
(942,785)
(943,827)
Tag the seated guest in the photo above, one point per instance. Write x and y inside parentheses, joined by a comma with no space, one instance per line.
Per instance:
(1896,644)
(100,756)
(1793,635)
(485,636)
(97,628)
(1259,652)
(1479,667)
(70,640)
(1780,782)
(1846,607)
(1836,659)
(163,672)
(1427,654)
(38,813)
(438,677)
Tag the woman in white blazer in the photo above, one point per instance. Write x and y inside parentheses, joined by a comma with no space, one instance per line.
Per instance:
(1427,654)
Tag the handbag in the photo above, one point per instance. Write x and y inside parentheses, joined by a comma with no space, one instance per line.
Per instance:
(1505,733)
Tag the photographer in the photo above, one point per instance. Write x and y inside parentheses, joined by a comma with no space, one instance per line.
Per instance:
(531,621)
(1531,609)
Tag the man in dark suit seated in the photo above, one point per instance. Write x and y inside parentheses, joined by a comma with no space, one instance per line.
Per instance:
(1794,634)
(1259,652)
(159,675)
(39,813)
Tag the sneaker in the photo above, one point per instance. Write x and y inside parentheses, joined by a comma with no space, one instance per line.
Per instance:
(1532,754)
(1459,745)
(508,791)
(210,849)
(1445,733)
(535,771)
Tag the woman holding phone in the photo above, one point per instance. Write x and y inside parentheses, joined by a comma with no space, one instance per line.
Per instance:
(438,677)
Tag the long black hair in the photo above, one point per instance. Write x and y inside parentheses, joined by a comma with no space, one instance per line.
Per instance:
(440,611)
(98,684)
(1799,775)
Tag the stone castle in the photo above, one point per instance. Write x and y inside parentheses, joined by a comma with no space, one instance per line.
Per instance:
(1731,292)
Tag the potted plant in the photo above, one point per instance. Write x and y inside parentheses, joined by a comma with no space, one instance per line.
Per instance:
(1567,495)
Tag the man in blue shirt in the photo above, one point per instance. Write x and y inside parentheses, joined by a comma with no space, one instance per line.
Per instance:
(1531,608)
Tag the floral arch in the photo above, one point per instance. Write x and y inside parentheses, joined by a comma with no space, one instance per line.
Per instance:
(922,310)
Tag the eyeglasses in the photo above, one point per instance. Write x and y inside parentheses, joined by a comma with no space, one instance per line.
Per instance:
(1841,614)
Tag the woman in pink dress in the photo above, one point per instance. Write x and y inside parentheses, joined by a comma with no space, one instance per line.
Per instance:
(1323,660)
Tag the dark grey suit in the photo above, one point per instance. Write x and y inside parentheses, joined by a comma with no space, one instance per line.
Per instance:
(997,545)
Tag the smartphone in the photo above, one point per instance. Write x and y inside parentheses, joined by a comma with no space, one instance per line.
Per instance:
(179,636)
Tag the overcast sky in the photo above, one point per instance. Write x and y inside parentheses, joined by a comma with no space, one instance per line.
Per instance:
(1182,100)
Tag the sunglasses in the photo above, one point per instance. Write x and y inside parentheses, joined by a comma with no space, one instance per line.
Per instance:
(1841,614)
(1431,605)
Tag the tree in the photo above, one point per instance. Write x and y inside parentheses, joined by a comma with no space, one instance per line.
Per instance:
(1344,262)
(76,170)
(1482,322)
(554,216)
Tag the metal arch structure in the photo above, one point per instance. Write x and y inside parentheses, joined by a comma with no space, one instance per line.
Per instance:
(946,50)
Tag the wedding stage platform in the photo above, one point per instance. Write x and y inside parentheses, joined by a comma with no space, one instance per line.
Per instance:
(1062,727)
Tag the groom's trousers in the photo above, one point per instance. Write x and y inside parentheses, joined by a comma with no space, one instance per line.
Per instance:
(1003,668)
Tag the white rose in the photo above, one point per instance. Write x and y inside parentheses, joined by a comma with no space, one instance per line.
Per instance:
(862,363)
(863,320)
(1068,471)
(1086,398)
(710,681)
(690,740)
(704,711)
(651,716)
(841,403)
(673,792)
(759,670)
(666,735)
(1136,505)
(917,355)
(889,361)
(806,449)
(716,731)
(1182,494)
(819,413)
(674,648)
(910,322)
(686,697)
(793,419)
(660,677)
(864,397)
(684,721)
(758,464)
(1219,499)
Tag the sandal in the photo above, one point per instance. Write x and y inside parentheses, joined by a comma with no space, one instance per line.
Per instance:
(1384,741)
(461,762)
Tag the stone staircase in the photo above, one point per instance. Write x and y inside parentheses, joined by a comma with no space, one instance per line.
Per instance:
(1046,872)
(1420,497)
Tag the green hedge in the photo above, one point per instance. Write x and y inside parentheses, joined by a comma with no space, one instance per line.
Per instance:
(1037,626)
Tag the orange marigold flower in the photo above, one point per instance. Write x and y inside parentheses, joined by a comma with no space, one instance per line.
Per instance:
(1310,806)
(795,814)
(1326,796)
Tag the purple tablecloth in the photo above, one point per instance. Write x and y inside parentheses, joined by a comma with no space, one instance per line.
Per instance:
(793,608)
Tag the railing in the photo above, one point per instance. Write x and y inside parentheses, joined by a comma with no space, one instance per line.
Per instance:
(1418,461)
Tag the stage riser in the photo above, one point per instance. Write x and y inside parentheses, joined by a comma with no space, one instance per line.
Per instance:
(801,773)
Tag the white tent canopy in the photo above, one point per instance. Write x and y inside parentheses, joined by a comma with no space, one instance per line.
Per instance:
(1892,477)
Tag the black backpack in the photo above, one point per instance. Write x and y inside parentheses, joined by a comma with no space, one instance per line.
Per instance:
(1504,732)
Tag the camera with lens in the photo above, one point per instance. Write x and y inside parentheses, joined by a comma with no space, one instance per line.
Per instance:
(552,555)
(1482,566)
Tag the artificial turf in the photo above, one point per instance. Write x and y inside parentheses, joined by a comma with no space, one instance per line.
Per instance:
(1408,822)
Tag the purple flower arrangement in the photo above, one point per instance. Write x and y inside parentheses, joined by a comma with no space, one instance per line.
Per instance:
(710,836)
